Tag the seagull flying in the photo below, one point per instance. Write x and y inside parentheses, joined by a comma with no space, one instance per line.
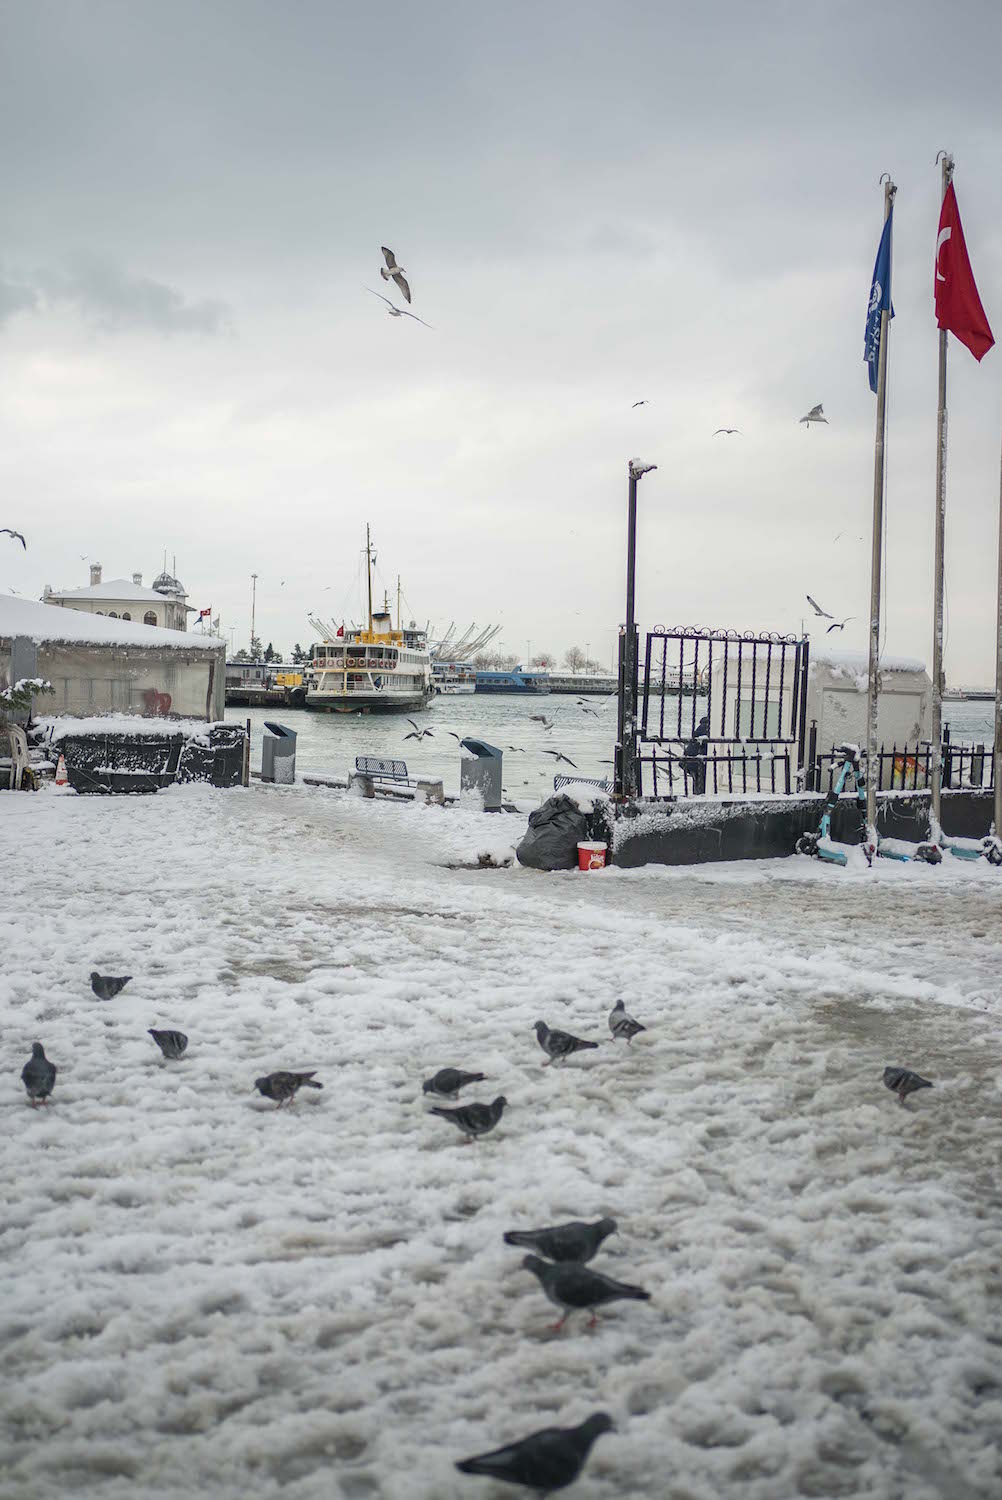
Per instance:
(558,758)
(640,403)
(14,535)
(393,272)
(817,608)
(542,719)
(815,414)
(420,734)
(395,311)
(729,430)
(839,624)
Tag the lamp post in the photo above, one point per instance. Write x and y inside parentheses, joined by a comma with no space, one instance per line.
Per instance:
(627,777)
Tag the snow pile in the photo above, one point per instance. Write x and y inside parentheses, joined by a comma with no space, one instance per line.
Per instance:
(60,727)
(43,623)
(853,662)
(207,1296)
(585,798)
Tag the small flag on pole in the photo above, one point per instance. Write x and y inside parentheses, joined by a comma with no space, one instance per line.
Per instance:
(340,630)
(958,306)
(204,612)
(880,299)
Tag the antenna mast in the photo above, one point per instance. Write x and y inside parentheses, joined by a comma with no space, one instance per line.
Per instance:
(368,570)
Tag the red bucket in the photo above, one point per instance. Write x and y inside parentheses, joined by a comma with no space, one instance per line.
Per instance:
(591,854)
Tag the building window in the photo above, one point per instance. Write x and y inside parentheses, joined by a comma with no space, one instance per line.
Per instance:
(100,611)
(149,618)
(113,614)
(126,615)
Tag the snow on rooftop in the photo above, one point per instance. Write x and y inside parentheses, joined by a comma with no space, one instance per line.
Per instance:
(112,588)
(859,661)
(50,622)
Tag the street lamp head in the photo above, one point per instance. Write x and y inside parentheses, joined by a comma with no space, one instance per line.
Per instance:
(638,468)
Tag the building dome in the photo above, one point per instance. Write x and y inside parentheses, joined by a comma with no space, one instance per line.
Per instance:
(166,583)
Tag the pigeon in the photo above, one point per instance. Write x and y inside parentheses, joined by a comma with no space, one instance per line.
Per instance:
(814,415)
(544,1461)
(447,1082)
(622,1024)
(391,271)
(171,1043)
(817,608)
(282,1086)
(38,1075)
(575,1287)
(729,431)
(839,624)
(395,311)
(15,536)
(558,1045)
(474,1119)
(559,757)
(902,1081)
(564,1242)
(106,986)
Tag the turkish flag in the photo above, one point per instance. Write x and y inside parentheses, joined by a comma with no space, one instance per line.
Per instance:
(340,630)
(958,306)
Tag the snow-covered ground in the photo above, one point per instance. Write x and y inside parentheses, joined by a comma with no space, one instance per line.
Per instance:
(203,1295)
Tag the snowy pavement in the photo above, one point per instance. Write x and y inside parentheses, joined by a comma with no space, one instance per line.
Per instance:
(204,1295)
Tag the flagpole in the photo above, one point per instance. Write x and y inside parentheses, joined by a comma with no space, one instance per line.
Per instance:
(997,829)
(876,559)
(938,564)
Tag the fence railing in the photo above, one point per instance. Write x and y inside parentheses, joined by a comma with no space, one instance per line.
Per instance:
(720,772)
(908,768)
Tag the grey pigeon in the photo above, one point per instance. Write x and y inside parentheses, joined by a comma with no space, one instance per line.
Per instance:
(171,1043)
(474,1119)
(282,1086)
(558,1045)
(902,1081)
(564,1242)
(447,1082)
(544,1461)
(38,1075)
(106,986)
(622,1024)
(575,1287)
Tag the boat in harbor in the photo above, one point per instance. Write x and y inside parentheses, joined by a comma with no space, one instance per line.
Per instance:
(453,677)
(513,681)
(597,684)
(373,669)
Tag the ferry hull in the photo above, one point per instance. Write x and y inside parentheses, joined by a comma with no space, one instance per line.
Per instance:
(368,703)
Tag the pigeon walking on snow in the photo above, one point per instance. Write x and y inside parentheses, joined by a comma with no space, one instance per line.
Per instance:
(106,986)
(474,1119)
(545,1461)
(558,1045)
(392,272)
(282,1086)
(902,1081)
(447,1082)
(622,1024)
(38,1075)
(171,1043)
(576,1288)
(575,1241)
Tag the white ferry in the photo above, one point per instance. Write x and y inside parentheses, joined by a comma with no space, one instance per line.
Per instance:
(454,677)
(379,669)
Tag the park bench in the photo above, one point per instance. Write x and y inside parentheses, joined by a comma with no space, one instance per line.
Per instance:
(372,772)
(559,781)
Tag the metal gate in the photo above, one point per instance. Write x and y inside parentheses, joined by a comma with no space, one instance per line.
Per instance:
(722,711)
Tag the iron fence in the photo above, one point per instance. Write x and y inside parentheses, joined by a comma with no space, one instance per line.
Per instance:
(908,768)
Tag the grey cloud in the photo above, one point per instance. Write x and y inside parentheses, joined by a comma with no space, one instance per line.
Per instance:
(115,299)
(15,298)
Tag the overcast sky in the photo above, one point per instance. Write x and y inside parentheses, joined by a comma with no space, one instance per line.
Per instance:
(596,204)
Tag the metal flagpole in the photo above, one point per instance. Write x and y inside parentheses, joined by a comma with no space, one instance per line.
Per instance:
(997,830)
(872,762)
(938,567)
(626,780)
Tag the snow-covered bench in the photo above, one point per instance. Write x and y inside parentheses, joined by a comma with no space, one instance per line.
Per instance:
(559,781)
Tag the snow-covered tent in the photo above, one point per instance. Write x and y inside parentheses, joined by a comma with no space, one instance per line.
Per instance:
(98,665)
(836,699)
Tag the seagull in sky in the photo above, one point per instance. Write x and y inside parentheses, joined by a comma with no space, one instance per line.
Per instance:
(14,536)
(729,430)
(839,624)
(816,414)
(391,271)
(395,311)
(817,608)
(558,757)
(640,403)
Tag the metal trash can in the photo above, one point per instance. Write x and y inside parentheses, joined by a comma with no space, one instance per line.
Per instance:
(482,773)
(278,754)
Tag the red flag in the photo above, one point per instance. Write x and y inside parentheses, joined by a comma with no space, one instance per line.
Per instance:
(340,630)
(958,306)
(202,613)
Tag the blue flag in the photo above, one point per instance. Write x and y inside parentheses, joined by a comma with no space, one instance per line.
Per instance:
(880,298)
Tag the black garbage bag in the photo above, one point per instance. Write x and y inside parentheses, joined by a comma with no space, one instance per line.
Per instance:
(551,840)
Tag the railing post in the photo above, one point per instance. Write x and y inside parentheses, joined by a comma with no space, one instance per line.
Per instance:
(811,764)
(947,757)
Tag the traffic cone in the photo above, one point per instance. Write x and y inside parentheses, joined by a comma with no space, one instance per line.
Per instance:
(61,777)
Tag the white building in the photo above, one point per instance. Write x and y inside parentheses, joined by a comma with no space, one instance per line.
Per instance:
(165,604)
